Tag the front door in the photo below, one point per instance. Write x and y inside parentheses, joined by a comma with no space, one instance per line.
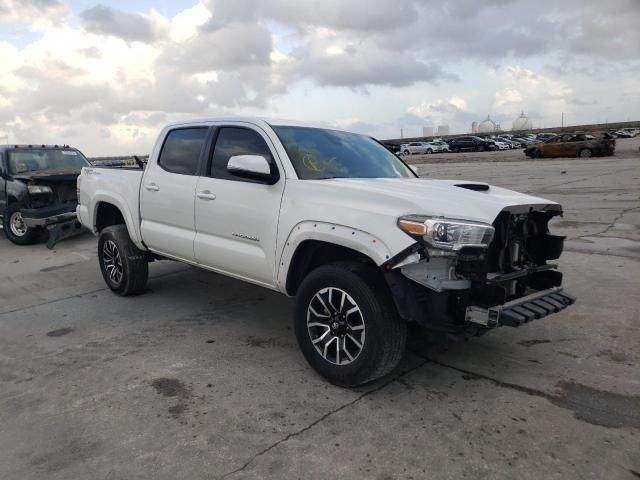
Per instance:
(167,194)
(237,218)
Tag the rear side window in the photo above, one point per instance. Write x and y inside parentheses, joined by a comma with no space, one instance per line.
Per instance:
(181,150)
(238,141)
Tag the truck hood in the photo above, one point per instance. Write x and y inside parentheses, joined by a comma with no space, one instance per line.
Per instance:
(60,175)
(447,198)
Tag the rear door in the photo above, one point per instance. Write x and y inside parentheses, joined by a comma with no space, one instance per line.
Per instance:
(167,193)
(237,218)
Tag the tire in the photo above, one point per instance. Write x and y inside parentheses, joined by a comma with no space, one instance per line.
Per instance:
(480,148)
(117,253)
(429,151)
(456,149)
(15,229)
(407,152)
(585,153)
(373,337)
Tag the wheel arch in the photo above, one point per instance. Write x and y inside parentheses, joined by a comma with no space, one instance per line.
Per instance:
(108,211)
(312,244)
(107,214)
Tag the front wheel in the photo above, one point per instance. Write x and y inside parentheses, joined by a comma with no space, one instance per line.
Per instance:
(407,152)
(429,151)
(124,267)
(347,326)
(15,229)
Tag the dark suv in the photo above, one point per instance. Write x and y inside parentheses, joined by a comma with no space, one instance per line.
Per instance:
(471,143)
(38,191)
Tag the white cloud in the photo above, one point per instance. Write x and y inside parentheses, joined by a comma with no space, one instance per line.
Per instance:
(523,89)
(38,14)
(185,24)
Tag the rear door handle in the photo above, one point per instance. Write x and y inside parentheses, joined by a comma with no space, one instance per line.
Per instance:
(206,195)
(152,187)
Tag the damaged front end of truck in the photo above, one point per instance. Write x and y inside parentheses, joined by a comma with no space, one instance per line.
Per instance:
(464,278)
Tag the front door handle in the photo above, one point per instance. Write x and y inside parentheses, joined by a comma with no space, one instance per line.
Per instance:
(152,187)
(206,195)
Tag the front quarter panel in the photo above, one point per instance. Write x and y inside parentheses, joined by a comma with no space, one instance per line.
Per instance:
(358,240)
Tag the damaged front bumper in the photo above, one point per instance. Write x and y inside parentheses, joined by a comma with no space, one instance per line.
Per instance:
(522,310)
(60,220)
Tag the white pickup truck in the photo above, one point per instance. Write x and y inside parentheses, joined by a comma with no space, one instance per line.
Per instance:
(337,221)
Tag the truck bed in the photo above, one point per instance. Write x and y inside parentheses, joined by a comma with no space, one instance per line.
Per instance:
(117,186)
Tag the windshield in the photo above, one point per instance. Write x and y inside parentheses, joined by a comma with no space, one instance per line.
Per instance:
(320,154)
(36,159)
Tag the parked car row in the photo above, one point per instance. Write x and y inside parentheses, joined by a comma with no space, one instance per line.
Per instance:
(624,132)
(565,144)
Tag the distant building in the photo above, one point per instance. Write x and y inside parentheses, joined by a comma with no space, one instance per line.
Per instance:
(474,127)
(427,131)
(443,129)
(487,126)
(522,123)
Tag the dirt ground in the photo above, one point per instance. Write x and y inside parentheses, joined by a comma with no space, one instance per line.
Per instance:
(201,378)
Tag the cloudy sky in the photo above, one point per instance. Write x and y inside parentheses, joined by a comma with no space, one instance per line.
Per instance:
(105,76)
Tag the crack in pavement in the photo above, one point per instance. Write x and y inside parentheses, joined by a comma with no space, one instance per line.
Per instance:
(623,212)
(499,383)
(324,417)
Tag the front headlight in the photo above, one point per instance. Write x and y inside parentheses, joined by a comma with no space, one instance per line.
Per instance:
(36,189)
(446,233)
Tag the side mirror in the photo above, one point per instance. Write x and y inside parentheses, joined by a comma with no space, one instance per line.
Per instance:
(251,166)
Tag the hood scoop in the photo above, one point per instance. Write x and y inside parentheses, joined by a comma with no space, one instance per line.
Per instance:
(476,187)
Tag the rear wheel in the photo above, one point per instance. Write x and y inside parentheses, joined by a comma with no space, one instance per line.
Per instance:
(15,229)
(407,152)
(429,151)
(585,153)
(347,326)
(124,267)
(456,149)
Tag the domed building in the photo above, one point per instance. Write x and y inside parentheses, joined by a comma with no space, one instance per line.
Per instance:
(522,123)
(487,126)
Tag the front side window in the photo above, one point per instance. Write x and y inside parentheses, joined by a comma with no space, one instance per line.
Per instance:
(318,153)
(181,150)
(234,141)
(41,159)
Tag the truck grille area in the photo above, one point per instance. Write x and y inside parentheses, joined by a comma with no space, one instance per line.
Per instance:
(522,240)
(65,192)
(516,262)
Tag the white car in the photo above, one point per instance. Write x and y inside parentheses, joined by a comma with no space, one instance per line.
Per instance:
(335,220)
(438,147)
(502,145)
(416,148)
